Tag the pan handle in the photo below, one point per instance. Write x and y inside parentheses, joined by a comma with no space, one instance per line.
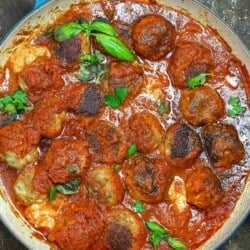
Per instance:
(39,3)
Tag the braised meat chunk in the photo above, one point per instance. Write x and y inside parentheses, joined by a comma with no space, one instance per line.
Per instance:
(145,178)
(182,145)
(203,187)
(189,60)
(223,145)
(145,131)
(202,105)
(153,37)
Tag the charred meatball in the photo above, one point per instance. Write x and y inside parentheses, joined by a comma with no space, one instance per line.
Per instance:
(79,225)
(202,105)
(189,60)
(106,184)
(107,143)
(182,145)
(69,50)
(153,37)
(124,74)
(145,178)
(48,117)
(126,230)
(145,131)
(203,187)
(223,145)
(91,102)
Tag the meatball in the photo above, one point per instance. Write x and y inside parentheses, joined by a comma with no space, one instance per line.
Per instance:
(48,117)
(67,159)
(145,178)
(189,59)
(91,102)
(24,189)
(223,145)
(18,144)
(124,74)
(153,37)
(182,145)
(106,183)
(203,187)
(145,131)
(69,50)
(202,105)
(80,224)
(107,143)
(126,230)
(41,78)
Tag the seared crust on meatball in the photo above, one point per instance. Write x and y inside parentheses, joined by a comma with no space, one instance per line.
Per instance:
(153,37)
(202,105)
(189,60)
(223,145)
(124,74)
(145,178)
(79,225)
(203,187)
(48,117)
(145,131)
(69,50)
(182,145)
(107,143)
(106,184)
(126,230)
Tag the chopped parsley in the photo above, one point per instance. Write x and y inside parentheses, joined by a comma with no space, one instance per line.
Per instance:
(116,100)
(198,80)
(132,150)
(235,107)
(138,206)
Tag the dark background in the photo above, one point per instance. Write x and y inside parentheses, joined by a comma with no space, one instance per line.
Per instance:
(234,12)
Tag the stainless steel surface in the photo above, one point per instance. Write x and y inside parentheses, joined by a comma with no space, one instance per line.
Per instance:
(234,12)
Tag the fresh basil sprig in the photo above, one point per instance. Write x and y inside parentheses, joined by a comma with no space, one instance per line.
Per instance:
(67,188)
(235,107)
(105,35)
(138,206)
(159,234)
(198,80)
(115,101)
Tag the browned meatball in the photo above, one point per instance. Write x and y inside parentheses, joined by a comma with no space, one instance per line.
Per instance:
(145,178)
(79,225)
(189,60)
(182,145)
(223,145)
(126,230)
(203,187)
(145,131)
(68,51)
(107,143)
(153,37)
(202,105)
(124,74)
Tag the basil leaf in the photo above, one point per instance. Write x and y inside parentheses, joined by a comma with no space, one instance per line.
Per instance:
(138,206)
(67,31)
(113,101)
(10,108)
(86,72)
(89,58)
(8,120)
(115,47)
(103,27)
(198,80)
(68,188)
(132,150)
(122,93)
(52,193)
(175,244)
(235,107)
(156,238)
(155,227)
(73,168)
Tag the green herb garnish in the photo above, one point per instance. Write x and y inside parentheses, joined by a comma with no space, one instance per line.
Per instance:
(132,150)
(91,68)
(163,107)
(66,188)
(138,206)
(73,168)
(159,234)
(198,80)
(104,33)
(235,107)
(115,101)
(117,167)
